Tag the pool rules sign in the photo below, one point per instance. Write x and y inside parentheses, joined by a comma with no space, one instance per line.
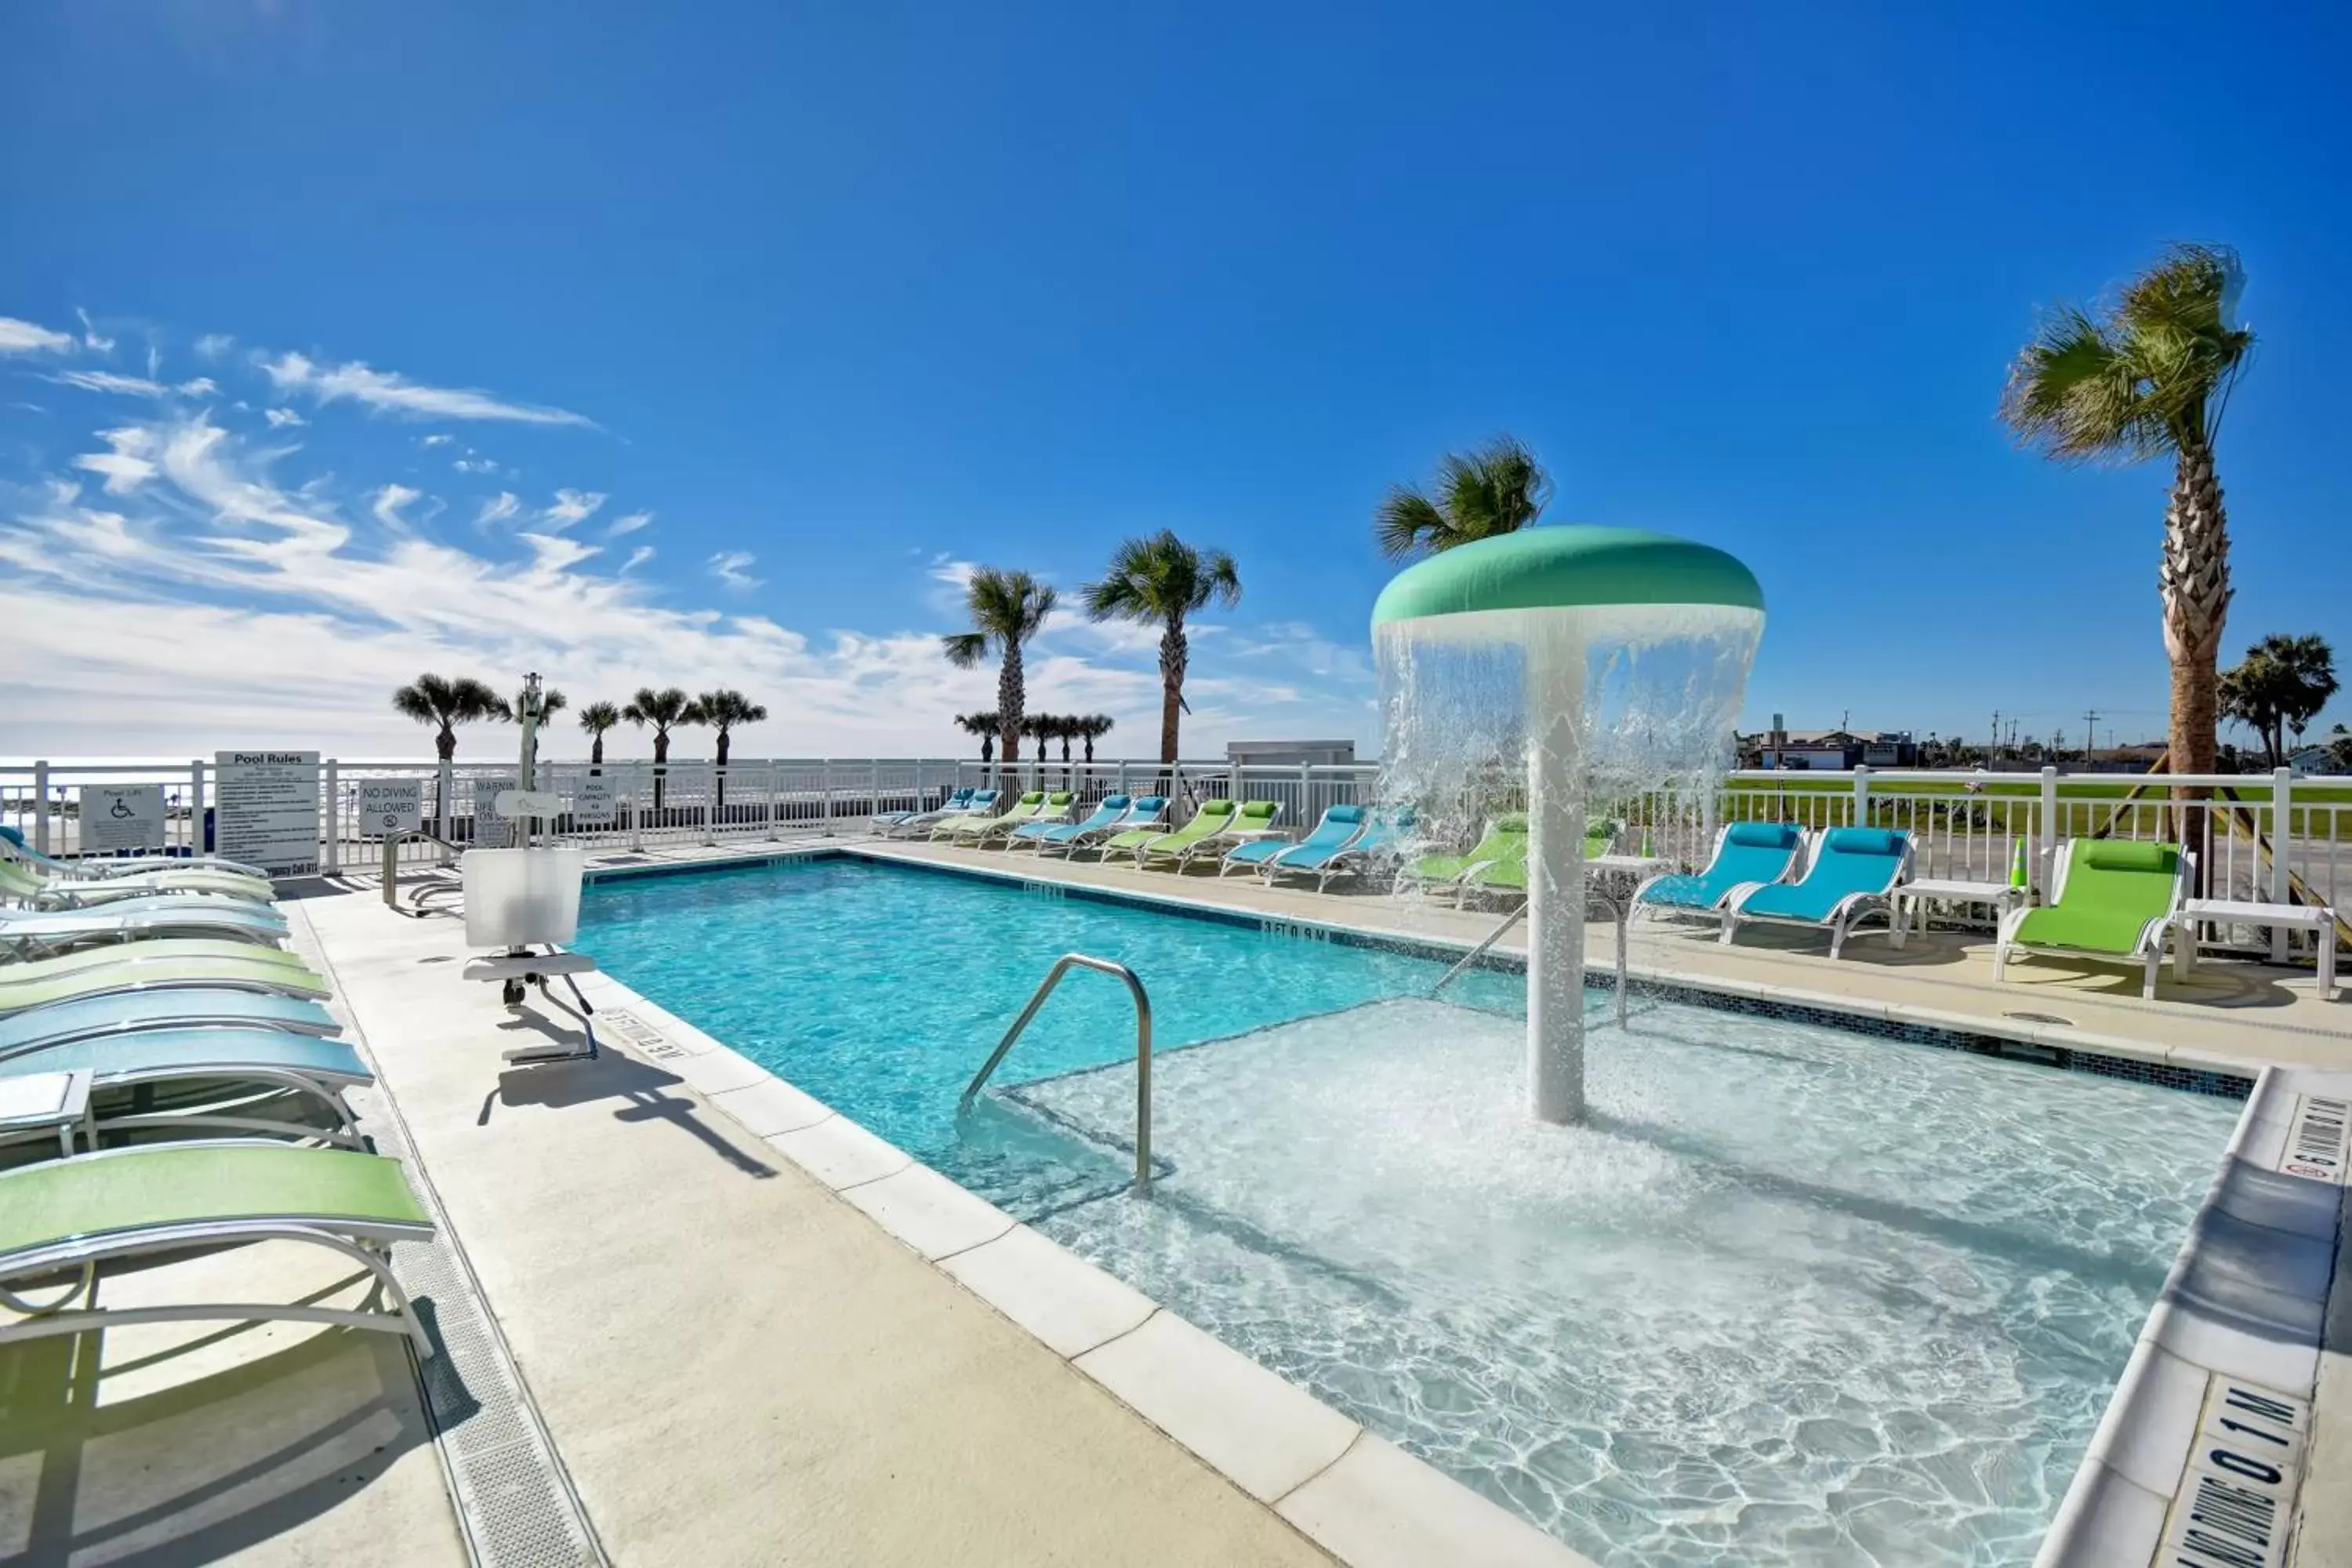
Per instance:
(267,810)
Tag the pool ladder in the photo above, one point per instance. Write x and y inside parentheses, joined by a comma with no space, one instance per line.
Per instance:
(1062,966)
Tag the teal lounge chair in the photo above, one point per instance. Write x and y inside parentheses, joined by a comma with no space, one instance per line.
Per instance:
(1383,841)
(95,1016)
(75,1217)
(1340,826)
(2109,899)
(122,866)
(31,932)
(169,1082)
(978,801)
(1745,852)
(1056,808)
(883,820)
(1146,816)
(1853,876)
(1106,815)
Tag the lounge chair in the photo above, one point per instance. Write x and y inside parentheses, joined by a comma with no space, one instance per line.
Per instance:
(1031,802)
(212,1008)
(886,820)
(1504,843)
(1106,815)
(151,949)
(1340,825)
(169,1081)
(46,932)
(131,979)
(2109,899)
(1056,808)
(1214,817)
(1383,840)
(70,1218)
(1250,819)
(1146,816)
(121,865)
(1509,875)
(20,881)
(1853,876)
(1745,852)
(982,802)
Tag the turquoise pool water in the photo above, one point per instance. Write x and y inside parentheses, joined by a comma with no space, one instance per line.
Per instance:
(1791,1296)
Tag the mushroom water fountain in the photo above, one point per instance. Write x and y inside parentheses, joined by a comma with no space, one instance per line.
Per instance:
(1583,670)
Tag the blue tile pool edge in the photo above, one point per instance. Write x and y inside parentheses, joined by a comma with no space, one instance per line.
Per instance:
(2089,1054)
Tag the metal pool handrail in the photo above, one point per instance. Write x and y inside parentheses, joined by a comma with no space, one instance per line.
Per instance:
(1478,952)
(1062,966)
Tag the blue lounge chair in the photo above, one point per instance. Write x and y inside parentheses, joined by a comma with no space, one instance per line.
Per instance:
(39,931)
(1385,840)
(959,801)
(1745,852)
(1340,826)
(264,1081)
(1853,876)
(1106,813)
(192,1009)
(978,803)
(123,865)
(1148,814)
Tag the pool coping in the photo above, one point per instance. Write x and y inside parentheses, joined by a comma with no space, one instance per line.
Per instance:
(2199,1402)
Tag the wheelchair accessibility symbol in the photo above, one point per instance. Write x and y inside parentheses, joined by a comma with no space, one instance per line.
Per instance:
(121,811)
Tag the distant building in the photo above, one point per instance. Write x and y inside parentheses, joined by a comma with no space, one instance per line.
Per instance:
(2136,759)
(1289,753)
(1835,750)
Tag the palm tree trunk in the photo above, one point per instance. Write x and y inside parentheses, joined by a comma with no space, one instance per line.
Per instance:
(1174,653)
(2193,581)
(1011,696)
(722,780)
(596,753)
(661,756)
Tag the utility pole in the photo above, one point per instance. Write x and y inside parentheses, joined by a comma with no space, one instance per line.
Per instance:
(2090,735)
(1992,746)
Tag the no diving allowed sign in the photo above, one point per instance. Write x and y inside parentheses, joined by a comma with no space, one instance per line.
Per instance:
(2318,1139)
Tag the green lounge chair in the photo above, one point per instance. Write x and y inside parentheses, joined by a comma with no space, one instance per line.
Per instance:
(2109,899)
(1056,808)
(1031,802)
(20,881)
(1504,842)
(69,1219)
(151,949)
(1853,876)
(131,979)
(1252,819)
(169,1081)
(206,1008)
(1509,875)
(1213,818)
(104,866)
(43,933)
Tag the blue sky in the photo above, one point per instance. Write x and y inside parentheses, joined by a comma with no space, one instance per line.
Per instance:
(815,304)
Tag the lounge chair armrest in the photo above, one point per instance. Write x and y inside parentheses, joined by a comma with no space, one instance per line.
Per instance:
(2007,931)
(1736,899)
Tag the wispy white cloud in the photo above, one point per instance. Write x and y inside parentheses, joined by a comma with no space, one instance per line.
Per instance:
(134,385)
(128,462)
(627,523)
(498,508)
(470,465)
(89,335)
(390,393)
(30,337)
(283,418)
(438,439)
(389,502)
(638,557)
(570,507)
(732,568)
(212,345)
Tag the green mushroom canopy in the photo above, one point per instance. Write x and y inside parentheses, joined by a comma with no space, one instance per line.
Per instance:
(1567,568)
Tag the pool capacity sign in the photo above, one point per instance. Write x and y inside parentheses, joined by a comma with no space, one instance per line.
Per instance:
(115,818)
(268,810)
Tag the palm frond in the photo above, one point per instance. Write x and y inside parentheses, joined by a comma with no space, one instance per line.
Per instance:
(1408,522)
(965,649)
(599,717)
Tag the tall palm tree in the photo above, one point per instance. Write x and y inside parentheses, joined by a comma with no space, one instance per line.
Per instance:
(1158,579)
(431,700)
(2281,687)
(1093,727)
(597,718)
(1498,488)
(984,725)
(666,710)
(1006,608)
(723,709)
(2150,376)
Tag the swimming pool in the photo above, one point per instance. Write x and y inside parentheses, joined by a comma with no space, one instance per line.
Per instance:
(1793,1295)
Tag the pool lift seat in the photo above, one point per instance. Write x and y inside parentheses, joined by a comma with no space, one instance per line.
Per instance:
(519,900)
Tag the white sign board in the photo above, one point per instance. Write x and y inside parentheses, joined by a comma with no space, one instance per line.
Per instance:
(595,800)
(267,810)
(391,807)
(492,831)
(121,817)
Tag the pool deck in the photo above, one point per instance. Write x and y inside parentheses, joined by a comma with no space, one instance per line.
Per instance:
(753,1334)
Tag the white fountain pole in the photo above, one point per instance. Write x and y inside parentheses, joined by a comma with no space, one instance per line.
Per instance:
(1556,812)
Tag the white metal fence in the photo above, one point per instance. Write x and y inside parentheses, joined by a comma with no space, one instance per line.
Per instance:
(2267,836)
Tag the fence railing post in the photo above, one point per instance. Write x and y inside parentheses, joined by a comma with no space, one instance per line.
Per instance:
(331,862)
(196,805)
(1862,796)
(41,807)
(2282,859)
(2046,858)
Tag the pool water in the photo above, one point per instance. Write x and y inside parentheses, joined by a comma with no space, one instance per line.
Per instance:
(1792,1295)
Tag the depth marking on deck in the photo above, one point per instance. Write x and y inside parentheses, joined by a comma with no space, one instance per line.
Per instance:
(2236,1499)
(640,1034)
(2316,1138)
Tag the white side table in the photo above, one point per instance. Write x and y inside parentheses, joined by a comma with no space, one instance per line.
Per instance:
(1911,897)
(2317,918)
(45,1099)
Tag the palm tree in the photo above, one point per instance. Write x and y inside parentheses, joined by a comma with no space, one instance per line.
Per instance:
(1093,727)
(1498,488)
(2148,377)
(2340,750)
(597,718)
(2281,687)
(1006,608)
(664,710)
(1159,581)
(430,700)
(984,726)
(722,710)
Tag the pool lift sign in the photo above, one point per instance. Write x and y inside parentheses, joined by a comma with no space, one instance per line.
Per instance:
(115,818)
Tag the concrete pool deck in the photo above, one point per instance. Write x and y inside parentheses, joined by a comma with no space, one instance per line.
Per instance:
(736,1364)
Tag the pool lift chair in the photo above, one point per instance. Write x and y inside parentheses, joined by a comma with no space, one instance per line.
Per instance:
(528,897)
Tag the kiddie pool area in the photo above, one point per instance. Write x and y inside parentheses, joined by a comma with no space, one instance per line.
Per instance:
(1788,1293)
